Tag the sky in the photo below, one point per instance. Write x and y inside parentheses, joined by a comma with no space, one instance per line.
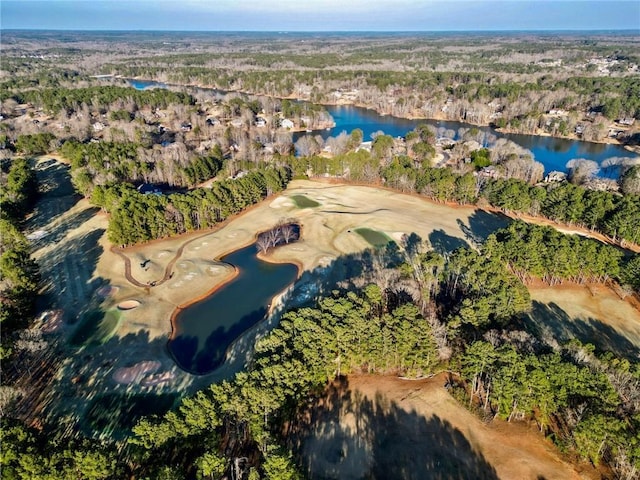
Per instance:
(320,15)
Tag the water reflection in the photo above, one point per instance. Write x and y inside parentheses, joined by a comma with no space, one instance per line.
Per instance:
(553,153)
(205,330)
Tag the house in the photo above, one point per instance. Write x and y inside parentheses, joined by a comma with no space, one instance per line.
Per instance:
(555,176)
(627,121)
(365,146)
(213,122)
(185,126)
(286,123)
(445,142)
(614,132)
(149,189)
(579,129)
(261,122)
(489,172)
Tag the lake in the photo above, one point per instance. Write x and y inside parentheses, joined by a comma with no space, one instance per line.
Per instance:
(204,331)
(553,153)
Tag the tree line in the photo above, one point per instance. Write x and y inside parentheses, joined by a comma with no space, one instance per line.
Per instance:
(107,162)
(617,216)
(18,271)
(535,251)
(137,217)
(55,99)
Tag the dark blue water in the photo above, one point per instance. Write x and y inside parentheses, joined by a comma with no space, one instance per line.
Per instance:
(204,331)
(553,153)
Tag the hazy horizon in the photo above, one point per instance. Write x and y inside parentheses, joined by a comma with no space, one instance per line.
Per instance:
(384,16)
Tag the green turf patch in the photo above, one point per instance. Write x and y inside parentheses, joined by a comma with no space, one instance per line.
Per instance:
(374,237)
(304,202)
(96,327)
(117,413)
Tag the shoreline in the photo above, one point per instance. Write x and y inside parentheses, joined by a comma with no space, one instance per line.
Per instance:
(226,281)
(572,137)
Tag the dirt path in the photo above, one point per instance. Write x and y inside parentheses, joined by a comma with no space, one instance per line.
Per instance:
(378,427)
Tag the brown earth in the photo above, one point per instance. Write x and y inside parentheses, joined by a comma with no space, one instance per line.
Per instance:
(591,313)
(376,427)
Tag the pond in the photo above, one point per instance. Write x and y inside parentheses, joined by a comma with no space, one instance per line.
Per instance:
(204,331)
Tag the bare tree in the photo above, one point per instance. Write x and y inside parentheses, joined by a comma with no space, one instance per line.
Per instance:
(263,243)
(581,170)
(288,233)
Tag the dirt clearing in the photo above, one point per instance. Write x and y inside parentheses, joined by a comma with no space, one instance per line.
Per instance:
(593,314)
(384,427)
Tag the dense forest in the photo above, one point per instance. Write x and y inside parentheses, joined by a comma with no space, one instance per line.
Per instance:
(18,271)
(416,313)
(139,217)
(162,162)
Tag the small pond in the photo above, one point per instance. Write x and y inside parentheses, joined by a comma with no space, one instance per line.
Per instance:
(204,330)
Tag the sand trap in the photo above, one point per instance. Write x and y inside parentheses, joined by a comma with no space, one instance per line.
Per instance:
(282,202)
(107,291)
(128,305)
(397,236)
(136,373)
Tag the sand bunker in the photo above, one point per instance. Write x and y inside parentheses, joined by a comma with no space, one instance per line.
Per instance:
(136,373)
(107,291)
(128,305)
(282,202)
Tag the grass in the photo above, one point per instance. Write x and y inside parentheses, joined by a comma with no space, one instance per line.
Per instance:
(96,327)
(304,202)
(374,237)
